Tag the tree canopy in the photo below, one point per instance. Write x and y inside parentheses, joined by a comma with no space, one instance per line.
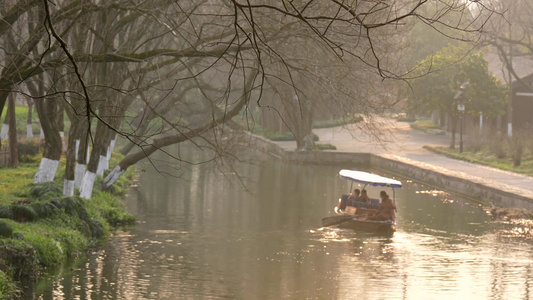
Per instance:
(458,74)
(162,72)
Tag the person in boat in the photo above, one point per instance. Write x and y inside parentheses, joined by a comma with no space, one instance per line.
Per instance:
(354,196)
(364,197)
(386,210)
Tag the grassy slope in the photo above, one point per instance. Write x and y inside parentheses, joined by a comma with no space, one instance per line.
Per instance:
(485,157)
(56,233)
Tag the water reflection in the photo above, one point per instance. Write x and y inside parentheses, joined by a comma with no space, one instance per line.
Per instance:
(202,236)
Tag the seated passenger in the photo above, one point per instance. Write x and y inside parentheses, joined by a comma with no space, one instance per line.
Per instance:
(386,210)
(354,196)
(364,197)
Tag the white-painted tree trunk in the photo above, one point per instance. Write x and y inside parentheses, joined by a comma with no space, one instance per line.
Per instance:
(87,185)
(101,166)
(47,171)
(77,148)
(112,177)
(68,187)
(42,133)
(110,149)
(29,131)
(4,132)
(79,172)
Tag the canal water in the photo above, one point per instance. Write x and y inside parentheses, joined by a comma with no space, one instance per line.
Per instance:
(253,231)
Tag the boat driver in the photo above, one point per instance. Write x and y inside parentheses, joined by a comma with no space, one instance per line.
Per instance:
(386,210)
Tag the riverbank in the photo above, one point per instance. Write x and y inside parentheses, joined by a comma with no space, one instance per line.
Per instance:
(40,228)
(401,151)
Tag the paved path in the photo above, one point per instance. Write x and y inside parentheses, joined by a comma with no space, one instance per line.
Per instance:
(399,142)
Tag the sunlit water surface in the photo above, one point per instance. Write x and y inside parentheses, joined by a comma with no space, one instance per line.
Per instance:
(203,236)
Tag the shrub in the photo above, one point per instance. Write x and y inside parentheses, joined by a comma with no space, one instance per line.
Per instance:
(48,251)
(27,151)
(46,190)
(6,212)
(517,143)
(477,141)
(497,146)
(72,241)
(5,229)
(325,147)
(44,209)
(287,136)
(75,206)
(7,287)
(337,122)
(20,256)
(24,213)
(97,229)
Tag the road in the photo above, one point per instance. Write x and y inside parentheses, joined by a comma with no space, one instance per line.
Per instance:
(398,141)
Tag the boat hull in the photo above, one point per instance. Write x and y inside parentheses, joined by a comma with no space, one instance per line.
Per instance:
(357,222)
(368,225)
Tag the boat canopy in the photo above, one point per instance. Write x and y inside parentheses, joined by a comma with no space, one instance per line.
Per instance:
(368,178)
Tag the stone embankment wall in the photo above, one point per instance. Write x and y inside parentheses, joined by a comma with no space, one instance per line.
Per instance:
(476,191)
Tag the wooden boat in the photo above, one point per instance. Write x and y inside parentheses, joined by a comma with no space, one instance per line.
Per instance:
(357,218)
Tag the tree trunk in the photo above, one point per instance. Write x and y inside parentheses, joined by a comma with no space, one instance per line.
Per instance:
(29,125)
(47,110)
(13,144)
(70,167)
(90,175)
(4,132)
(81,152)
(453,119)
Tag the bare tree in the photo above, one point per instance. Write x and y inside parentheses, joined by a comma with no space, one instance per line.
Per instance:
(195,65)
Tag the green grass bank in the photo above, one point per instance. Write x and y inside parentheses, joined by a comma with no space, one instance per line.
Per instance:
(40,228)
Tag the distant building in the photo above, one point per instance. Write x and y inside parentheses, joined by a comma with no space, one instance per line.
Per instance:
(521,89)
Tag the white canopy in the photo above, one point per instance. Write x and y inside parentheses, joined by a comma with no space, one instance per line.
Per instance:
(368,178)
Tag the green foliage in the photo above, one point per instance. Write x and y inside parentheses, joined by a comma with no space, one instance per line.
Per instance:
(75,206)
(337,122)
(6,212)
(7,287)
(486,156)
(48,250)
(284,137)
(24,213)
(424,125)
(442,75)
(48,190)
(27,150)
(44,209)
(109,208)
(5,230)
(325,147)
(20,256)
(55,231)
